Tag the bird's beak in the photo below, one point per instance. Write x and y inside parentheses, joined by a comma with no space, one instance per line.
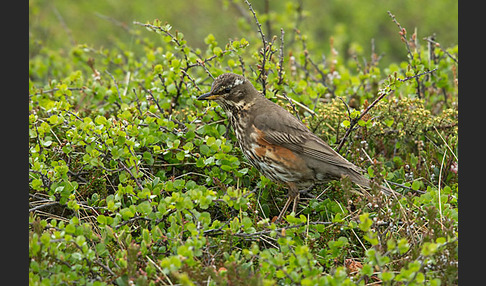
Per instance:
(207,96)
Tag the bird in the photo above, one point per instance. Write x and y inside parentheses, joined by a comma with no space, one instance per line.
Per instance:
(278,144)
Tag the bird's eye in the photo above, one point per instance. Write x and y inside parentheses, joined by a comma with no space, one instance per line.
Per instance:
(227,89)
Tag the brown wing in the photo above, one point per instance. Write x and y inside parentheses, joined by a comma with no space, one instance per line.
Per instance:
(283,129)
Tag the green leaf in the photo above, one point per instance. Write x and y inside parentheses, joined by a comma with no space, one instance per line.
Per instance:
(180,156)
(365,222)
(204,149)
(147,156)
(386,276)
(101,219)
(416,185)
(367,270)
(144,208)
(53,119)
(127,213)
(429,248)
(389,122)
(70,228)
(45,238)
(403,245)
(371,172)
(100,120)
(243,171)
(217,51)
(355,114)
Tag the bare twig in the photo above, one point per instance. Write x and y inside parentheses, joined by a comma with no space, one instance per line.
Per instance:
(154,99)
(403,37)
(64,26)
(430,40)
(106,267)
(133,176)
(168,33)
(281,57)
(323,76)
(43,206)
(292,105)
(118,23)
(297,103)
(219,230)
(241,10)
(56,89)
(383,94)
(118,104)
(160,269)
(138,102)
(132,220)
(447,145)
(402,33)
(416,76)
(262,76)
(191,79)
(347,107)
(356,120)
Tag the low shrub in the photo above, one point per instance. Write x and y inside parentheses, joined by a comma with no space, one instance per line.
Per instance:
(132,180)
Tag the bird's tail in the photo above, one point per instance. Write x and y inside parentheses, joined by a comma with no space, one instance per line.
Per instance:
(364,182)
(389,192)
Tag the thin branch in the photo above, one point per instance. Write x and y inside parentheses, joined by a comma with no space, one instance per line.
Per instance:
(216,231)
(131,174)
(383,94)
(297,103)
(323,76)
(356,120)
(132,220)
(402,33)
(160,269)
(64,26)
(56,89)
(191,79)
(138,102)
(263,52)
(347,107)
(447,145)
(219,230)
(281,57)
(106,267)
(118,104)
(428,39)
(43,206)
(166,30)
(154,99)
(291,104)
(416,76)
(403,37)
(258,24)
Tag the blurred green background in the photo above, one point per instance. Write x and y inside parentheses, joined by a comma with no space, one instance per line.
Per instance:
(61,24)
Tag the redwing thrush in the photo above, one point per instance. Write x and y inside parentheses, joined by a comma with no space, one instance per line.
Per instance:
(275,142)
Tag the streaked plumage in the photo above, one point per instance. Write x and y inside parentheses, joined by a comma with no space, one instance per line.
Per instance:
(275,142)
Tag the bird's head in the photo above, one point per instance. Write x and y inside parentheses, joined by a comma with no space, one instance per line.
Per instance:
(231,91)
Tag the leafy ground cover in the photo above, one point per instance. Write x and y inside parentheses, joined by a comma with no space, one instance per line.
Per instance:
(134,181)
